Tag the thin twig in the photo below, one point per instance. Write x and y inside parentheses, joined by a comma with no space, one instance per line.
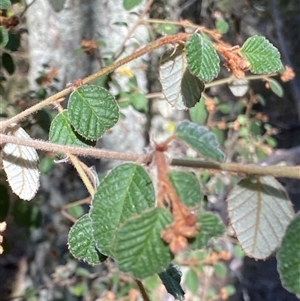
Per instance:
(251,169)
(142,290)
(131,31)
(79,151)
(150,47)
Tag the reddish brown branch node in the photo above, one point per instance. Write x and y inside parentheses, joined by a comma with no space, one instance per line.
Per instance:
(185,224)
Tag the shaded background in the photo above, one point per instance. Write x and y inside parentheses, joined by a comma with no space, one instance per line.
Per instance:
(55,30)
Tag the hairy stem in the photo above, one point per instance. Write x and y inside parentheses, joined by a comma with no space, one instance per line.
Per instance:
(251,169)
(85,179)
(172,39)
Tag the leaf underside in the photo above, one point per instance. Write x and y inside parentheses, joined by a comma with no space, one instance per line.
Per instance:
(181,88)
(259,210)
(21,166)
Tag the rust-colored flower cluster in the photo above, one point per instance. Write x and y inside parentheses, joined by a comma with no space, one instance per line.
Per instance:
(185,223)
(234,61)
(89,46)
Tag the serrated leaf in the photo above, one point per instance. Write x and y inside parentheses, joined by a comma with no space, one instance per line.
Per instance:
(275,87)
(130,4)
(81,243)
(5,4)
(200,139)
(202,58)
(187,187)
(21,166)
(139,248)
(171,278)
(288,257)
(260,211)
(262,55)
(92,110)
(192,281)
(8,63)
(61,131)
(181,88)
(126,191)
(199,112)
(3,36)
(210,226)
(4,202)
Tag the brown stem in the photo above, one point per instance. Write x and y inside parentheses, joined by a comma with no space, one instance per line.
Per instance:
(251,169)
(75,150)
(177,38)
(142,290)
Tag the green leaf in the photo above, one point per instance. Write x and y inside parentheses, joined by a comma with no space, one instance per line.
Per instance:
(187,186)
(220,269)
(210,226)
(8,63)
(222,26)
(275,87)
(79,289)
(262,55)
(288,257)
(130,4)
(171,278)
(230,289)
(126,191)
(61,131)
(200,139)
(76,211)
(139,248)
(181,88)
(202,58)
(199,113)
(46,165)
(26,214)
(166,28)
(4,202)
(260,211)
(192,281)
(81,243)
(14,41)
(92,110)
(5,4)
(3,36)
(139,101)
(225,108)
